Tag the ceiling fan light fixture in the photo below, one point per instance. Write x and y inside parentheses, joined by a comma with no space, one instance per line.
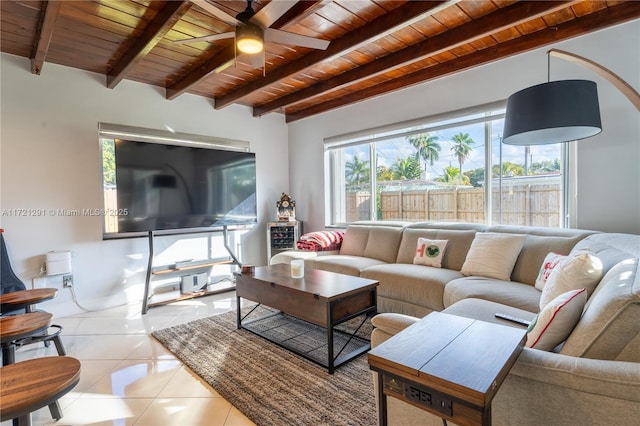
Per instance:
(249,38)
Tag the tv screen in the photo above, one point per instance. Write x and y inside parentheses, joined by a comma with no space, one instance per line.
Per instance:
(173,187)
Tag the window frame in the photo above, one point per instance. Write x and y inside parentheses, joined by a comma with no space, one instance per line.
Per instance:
(370,136)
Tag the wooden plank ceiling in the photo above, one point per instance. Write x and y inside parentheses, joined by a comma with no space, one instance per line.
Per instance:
(376,46)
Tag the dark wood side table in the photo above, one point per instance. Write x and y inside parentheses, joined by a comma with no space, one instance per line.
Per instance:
(447,365)
(15,327)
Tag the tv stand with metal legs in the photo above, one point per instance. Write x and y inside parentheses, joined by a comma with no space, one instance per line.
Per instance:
(149,301)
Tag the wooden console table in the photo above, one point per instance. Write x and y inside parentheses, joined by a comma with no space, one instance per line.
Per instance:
(447,365)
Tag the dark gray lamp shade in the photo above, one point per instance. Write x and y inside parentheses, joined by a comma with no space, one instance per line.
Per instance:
(557,111)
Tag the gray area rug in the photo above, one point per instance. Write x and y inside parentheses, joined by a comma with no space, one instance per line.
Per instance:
(268,384)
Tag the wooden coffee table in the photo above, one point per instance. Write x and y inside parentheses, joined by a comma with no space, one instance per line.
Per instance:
(312,306)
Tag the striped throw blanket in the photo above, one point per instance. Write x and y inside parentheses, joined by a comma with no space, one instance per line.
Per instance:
(320,241)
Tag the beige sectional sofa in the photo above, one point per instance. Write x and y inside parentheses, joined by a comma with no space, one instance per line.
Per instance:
(592,378)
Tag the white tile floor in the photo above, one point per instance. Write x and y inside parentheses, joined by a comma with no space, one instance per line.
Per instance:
(127,378)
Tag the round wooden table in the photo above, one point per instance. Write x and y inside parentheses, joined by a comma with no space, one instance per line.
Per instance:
(26,298)
(27,386)
(15,327)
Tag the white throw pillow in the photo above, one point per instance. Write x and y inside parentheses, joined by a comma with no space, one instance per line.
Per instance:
(580,270)
(550,261)
(556,321)
(493,255)
(430,252)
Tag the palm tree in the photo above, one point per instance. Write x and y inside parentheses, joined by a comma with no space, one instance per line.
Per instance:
(357,171)
(452,175)
(508,169)
(384,173)
(461,147)
(406,169)
(428,148)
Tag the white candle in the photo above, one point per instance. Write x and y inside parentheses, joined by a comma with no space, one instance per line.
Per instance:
(297,268)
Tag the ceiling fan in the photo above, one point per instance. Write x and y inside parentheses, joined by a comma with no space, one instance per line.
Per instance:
(252,29)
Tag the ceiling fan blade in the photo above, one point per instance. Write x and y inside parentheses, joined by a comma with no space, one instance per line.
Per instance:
(257,60)
(272,12)
(211,37)
(292,39)
(223,16)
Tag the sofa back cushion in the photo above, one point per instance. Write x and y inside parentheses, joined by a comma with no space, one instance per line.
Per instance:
(355,240)
(609,328)
(383,243)
(459,236)
(377,241)
(538,243)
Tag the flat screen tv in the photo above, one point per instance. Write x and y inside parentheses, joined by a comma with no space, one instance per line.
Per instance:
(168,187)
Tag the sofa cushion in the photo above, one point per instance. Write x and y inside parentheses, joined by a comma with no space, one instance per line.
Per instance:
(412,283)
(355,241)
(493,255)
(342,264)
(383,243)
(459,242)
(609,328)
(556,320)
(550,262)
(517,295)
(430,252)
(485,310)
(579,270)
(357,235)
(538,243)
(289,255)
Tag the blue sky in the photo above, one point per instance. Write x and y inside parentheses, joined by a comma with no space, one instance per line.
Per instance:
(390,150)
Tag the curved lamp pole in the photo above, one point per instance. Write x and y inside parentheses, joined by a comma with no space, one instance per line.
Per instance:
(605,73)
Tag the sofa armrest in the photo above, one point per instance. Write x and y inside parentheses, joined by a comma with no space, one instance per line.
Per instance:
(618,379)
(550,388)
(387,325)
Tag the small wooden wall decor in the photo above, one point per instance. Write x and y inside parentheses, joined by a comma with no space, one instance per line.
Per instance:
(286,208)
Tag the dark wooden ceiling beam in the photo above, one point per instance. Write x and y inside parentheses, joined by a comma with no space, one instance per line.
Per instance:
(507,17)
(297,13)
(389,22)
(166,18)
(47,23)
(610,16)
(226,57)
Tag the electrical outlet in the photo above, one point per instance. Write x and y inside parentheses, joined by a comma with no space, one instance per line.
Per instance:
(67,281)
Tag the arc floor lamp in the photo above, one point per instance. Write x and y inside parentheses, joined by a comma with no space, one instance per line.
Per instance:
(560,111)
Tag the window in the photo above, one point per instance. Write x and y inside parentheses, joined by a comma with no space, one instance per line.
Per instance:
(435,169)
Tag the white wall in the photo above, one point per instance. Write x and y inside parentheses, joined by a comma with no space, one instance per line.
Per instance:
(608,197)
(50,160)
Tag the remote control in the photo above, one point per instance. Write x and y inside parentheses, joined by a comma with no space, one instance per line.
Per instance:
(513,319)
